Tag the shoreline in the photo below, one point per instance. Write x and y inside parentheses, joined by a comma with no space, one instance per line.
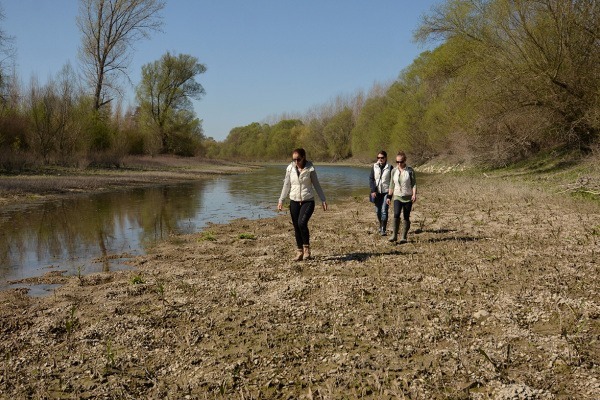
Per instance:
(54,182)
(495,296)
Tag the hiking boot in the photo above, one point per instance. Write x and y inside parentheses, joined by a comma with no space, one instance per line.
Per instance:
(404,232)
(382,228)
(395,231)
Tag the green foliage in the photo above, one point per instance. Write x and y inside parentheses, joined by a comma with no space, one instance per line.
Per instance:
(526,70)
(166,110)
(373,128)
(338,132)
(100,134)
(137,280)
(208,236)
(506,81)
(249,236)
(71,322)
(281,139)
(261,141)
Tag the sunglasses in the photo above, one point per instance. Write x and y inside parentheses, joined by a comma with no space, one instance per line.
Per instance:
(380,158)
(296,159)
(400,161)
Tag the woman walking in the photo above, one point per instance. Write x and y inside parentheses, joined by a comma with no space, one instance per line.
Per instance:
(379,181)
(299,182)
(403,192)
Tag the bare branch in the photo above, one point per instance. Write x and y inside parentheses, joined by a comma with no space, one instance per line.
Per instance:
(109,29)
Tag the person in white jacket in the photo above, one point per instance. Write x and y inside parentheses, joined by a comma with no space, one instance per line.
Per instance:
(403,193)
(299,183)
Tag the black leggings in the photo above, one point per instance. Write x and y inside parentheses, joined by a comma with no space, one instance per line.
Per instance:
(301,213)
(405,207)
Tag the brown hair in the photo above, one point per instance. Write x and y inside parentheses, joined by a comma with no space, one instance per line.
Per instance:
(301,152)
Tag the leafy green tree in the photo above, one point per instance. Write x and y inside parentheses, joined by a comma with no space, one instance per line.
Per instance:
(373,129)
(313,140)
(240,141)
(337,134)
(282,139)
(530,74)
(165,94)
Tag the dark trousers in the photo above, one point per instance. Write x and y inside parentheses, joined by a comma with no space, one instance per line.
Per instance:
(301,213)
(404,207)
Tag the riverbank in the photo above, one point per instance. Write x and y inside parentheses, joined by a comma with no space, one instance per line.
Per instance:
(495,296)
(52,182)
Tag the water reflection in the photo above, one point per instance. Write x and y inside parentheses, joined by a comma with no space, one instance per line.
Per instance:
(93,233)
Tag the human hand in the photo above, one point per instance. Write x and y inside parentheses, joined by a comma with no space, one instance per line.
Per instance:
(279,206)
(373,195)
(324,206)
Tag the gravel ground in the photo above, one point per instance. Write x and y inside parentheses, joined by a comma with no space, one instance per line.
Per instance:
(496,296)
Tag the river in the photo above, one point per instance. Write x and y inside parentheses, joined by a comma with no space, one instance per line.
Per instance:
(88,234)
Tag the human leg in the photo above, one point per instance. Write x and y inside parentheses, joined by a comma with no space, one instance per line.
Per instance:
(406,209)
(381,211)
(306,211)
(295,214)
(397,208)
(384,214)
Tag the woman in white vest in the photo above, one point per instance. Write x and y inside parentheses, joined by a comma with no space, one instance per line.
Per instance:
(379,181)
(403,192)
(300,179)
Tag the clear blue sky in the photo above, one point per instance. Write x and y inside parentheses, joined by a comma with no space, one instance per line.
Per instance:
(263,57)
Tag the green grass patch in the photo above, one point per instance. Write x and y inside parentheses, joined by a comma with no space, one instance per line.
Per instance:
(249,236)
(208,235)
(136,280)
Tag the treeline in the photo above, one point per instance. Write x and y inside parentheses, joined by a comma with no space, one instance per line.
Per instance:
(507,79)
(77,119)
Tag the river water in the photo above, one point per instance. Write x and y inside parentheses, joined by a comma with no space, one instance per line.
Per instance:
(94,233)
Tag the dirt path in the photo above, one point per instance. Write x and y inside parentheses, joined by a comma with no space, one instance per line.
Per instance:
(496,296)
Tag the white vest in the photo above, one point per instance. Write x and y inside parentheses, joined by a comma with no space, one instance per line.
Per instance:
(382,177)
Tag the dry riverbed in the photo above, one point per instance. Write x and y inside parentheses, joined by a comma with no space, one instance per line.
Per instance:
(496,296)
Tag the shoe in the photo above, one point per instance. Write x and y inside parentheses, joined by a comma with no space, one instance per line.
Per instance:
(307,255)
(299,255)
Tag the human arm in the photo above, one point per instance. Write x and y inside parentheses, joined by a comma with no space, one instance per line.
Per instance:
(413,183)
(285,190)
(315,182)
(390,189)
(372,183)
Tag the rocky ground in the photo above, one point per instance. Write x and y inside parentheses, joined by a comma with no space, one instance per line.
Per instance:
(496,296)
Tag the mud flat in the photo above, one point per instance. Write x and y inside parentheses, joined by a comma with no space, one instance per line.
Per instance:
(496,296)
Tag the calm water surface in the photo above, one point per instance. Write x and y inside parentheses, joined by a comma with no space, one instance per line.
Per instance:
(96,233)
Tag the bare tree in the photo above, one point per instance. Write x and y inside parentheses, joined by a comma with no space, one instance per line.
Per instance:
(109,29)
(7,54)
